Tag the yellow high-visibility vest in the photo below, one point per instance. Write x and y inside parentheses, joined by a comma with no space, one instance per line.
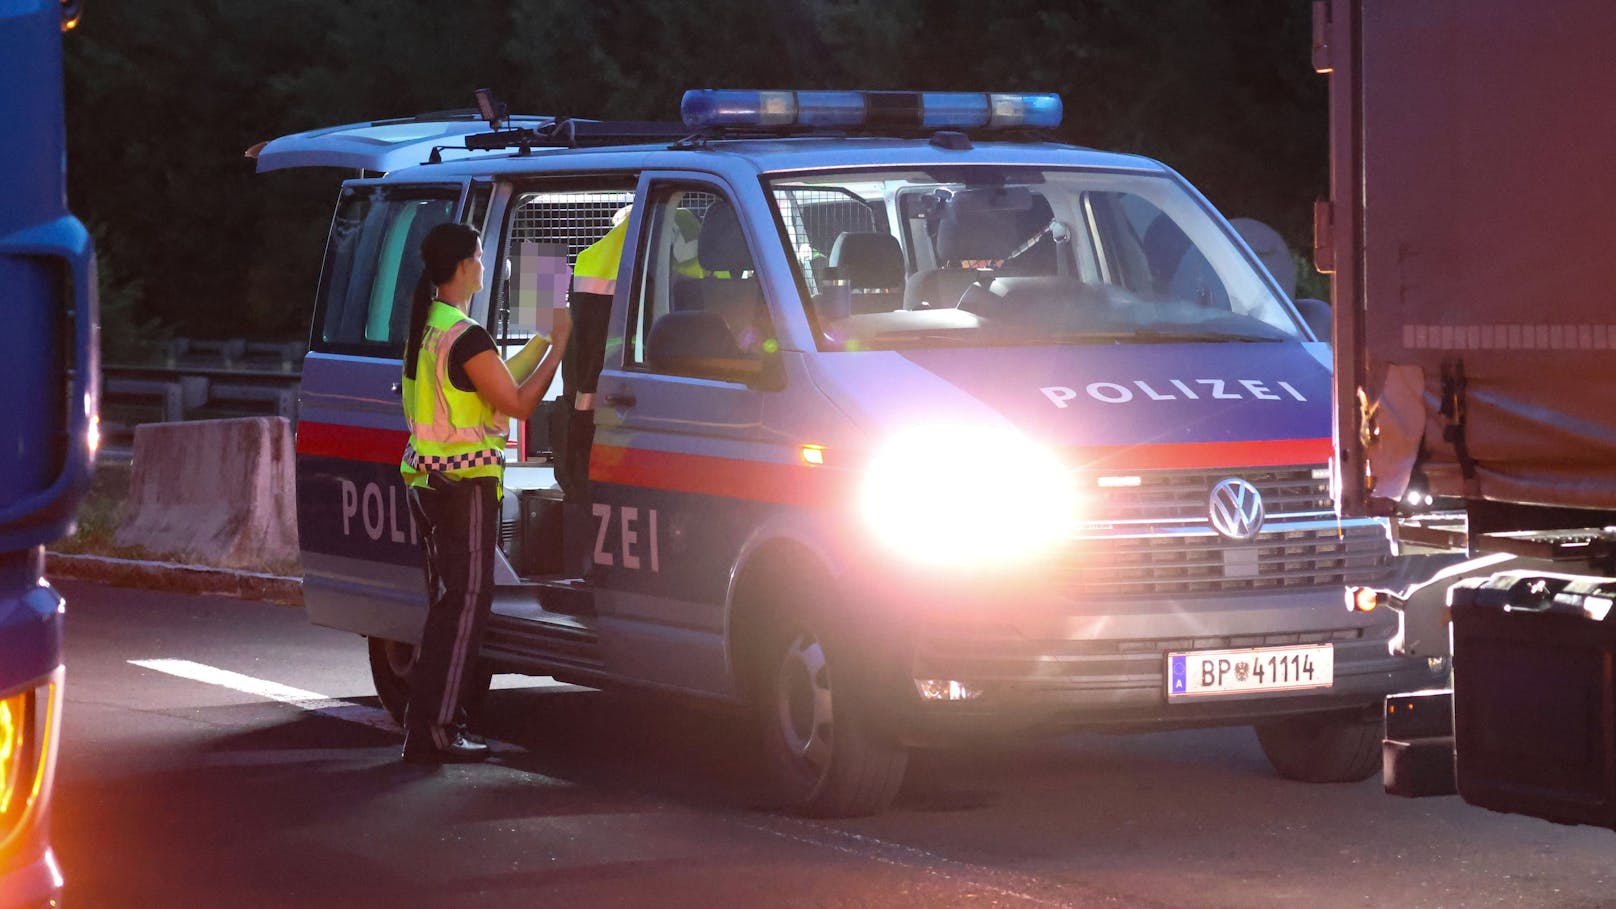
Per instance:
(452,432)
(595,271)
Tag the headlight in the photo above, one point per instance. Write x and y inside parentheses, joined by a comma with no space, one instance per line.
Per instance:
(1007,500)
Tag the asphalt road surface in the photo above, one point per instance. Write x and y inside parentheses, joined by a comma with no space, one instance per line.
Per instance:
(225,753)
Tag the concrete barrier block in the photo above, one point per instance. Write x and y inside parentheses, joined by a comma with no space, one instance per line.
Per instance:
(214,492)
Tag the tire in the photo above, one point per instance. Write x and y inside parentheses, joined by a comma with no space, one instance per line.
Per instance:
(824,755)
(390,665)
(1324,748)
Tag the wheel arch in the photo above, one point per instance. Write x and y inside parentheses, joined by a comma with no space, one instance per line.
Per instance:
(773,555)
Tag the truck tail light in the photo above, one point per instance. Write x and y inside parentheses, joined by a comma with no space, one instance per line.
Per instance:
(27,743)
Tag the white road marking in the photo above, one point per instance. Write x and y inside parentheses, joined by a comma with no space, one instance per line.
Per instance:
(868,847)
(311,701)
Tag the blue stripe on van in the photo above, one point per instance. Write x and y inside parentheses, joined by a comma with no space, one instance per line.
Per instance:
(356,509)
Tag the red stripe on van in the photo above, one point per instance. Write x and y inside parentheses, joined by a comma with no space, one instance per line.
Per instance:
(787,484)
(802,484)
(352,443)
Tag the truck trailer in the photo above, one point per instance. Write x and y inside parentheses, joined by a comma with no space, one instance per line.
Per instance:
(1472,204)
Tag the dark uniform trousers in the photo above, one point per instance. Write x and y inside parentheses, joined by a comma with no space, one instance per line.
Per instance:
(572,431)
(458,521)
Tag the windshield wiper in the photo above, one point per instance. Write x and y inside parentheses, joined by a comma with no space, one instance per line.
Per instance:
(1177,336)
(895,339)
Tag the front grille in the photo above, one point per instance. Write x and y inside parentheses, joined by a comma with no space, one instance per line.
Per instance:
(1154,539)
(1180,496)
(1208,563)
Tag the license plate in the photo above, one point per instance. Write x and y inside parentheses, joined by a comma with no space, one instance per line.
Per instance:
(1201,673)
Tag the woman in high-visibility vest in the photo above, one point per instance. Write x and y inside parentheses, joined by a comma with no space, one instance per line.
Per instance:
(459,398)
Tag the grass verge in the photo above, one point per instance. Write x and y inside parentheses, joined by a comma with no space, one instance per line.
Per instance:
(103,510)
(99,516)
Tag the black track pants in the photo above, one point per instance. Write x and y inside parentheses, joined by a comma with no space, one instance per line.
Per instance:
(459,525)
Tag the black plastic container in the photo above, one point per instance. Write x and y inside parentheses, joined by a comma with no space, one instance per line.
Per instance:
(1534,704)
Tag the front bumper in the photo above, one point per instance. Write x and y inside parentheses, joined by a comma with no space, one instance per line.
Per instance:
(1052,664)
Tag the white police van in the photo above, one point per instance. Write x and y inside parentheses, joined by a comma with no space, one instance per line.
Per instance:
(911,425)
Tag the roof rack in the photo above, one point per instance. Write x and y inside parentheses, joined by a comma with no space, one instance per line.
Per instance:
(526,132)
(433,116)
(572,132)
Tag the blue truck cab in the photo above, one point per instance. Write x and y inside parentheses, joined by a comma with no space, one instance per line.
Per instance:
(48,365)
(909,424)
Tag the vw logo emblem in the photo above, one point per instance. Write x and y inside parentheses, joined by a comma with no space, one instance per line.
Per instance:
(1236,509)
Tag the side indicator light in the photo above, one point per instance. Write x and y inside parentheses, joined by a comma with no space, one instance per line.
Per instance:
(1363,599)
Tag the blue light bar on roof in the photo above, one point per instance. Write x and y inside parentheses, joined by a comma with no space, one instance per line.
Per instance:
(703,108)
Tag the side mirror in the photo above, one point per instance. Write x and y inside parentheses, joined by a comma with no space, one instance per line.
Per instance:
(1316,313)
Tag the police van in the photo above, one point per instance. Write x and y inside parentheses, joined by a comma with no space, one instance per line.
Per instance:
(910,425)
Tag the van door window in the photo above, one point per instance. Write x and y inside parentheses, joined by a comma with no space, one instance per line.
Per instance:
(477,202)
(372,264)
(699,309)
(545,230)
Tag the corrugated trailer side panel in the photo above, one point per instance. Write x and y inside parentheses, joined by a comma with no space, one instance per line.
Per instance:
(1474,199)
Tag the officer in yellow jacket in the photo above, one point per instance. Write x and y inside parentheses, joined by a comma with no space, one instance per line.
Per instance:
(594,283)
(459,398)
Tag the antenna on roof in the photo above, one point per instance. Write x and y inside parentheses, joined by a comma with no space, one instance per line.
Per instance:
(492,109)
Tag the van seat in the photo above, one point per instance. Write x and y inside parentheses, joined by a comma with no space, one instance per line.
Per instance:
(691,343)
(729,288)
(872,266)
(977,225)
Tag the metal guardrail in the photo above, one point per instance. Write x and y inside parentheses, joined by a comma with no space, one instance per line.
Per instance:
(235,353)
(131,395)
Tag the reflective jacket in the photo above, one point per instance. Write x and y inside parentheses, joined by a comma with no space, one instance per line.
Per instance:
(452,432)
(595,271)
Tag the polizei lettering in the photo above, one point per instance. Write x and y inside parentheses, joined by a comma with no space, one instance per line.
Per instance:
(377,513)
(1175,390)
(636,536)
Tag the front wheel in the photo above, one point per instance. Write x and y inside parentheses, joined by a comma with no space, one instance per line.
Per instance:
(390,665)
(824,754)
(1324,748)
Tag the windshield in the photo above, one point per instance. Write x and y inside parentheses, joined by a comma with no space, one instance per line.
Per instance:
(1017,256)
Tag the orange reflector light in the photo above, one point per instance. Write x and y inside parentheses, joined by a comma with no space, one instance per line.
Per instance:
(1362,599)
(13,749)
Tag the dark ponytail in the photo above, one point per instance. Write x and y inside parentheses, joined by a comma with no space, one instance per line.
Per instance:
(442,251)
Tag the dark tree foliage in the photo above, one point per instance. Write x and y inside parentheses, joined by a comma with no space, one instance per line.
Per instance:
(165,95)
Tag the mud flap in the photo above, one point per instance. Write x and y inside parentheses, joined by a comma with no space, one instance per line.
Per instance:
(1417,753)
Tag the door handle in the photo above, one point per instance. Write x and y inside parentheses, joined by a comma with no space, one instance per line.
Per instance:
(396,388)
(620,399)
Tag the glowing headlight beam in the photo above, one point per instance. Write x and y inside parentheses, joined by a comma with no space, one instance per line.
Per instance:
(1017,502)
